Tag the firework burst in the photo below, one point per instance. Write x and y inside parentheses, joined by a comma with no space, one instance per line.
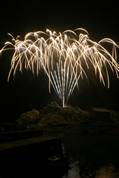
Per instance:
(64,57)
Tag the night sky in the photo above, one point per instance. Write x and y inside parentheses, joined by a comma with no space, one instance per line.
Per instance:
(26,91)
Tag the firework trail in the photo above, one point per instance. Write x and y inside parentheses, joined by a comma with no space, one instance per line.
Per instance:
(64,57)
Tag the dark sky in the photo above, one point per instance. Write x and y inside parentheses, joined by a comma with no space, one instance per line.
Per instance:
(101,19)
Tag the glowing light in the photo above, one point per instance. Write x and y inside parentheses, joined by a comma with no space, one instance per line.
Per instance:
(64,57)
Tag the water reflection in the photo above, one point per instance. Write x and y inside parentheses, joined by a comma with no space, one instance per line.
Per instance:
(92,156)
(73,171)
(107,171)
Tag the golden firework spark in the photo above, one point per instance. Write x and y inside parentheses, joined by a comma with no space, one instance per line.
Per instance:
(64,57)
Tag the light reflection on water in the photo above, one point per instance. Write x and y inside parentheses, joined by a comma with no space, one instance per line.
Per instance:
(107,171)
(73,171)
(92,156)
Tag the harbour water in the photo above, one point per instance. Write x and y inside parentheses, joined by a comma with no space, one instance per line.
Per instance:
(92,156)
(86,156)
